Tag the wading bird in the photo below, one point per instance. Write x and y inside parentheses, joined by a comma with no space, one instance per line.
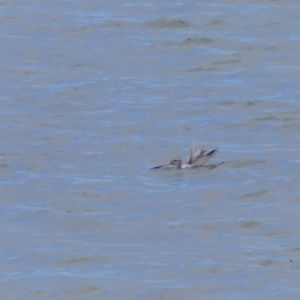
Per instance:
(197,159)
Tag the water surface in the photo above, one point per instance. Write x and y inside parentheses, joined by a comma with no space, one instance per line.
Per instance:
(95,94)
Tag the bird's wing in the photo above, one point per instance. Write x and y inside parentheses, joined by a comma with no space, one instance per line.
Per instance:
(202,159)
(195,154)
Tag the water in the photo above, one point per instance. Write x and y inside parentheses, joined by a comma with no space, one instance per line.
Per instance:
(94,94)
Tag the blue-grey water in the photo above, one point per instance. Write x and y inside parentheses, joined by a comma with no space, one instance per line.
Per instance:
(93,94)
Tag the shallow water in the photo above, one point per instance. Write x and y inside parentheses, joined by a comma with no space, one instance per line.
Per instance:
(94,94)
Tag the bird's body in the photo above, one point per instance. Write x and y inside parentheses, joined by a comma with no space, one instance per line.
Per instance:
(197,159)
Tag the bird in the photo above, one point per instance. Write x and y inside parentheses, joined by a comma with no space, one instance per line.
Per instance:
(197,159)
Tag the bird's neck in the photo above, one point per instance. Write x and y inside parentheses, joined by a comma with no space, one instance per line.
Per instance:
(179,165)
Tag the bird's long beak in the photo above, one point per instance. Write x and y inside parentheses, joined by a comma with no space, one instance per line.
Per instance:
(160,166)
